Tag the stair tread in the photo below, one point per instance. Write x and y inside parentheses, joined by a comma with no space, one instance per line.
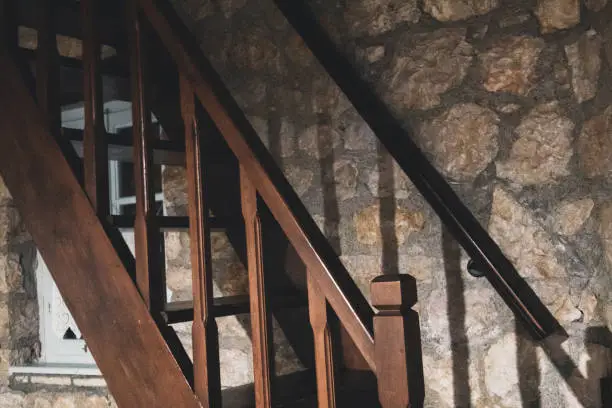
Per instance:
(168,152)
(182,311)
(173,223)
(121,148)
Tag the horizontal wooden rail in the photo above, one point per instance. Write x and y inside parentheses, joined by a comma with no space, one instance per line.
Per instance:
(313,248)
(182,311)
(454,214)
(123,338)
(69,24)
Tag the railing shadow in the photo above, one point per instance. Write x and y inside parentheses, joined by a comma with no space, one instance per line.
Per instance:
(386,194)
(528,368)
(601,336)
(456,311)
(577,383)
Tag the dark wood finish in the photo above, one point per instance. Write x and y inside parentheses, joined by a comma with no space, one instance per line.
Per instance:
(95,150)
(261,330)
(127,345)
(397,336)
(324,356)
(47,66)
(207,376)
(149,274)
(476,241)
(179,312)
(352,358)
(338,287)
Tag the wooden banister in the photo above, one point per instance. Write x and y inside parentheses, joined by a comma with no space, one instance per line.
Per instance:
(398,342)
(313,248)
(126,343)
(206,365)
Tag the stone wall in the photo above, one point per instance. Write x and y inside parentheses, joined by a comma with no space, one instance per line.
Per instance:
(19,334)
(512,102)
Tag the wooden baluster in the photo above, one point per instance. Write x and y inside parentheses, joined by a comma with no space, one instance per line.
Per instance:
(149,263)
(324,361)
(397,340)
(260,328)
(47,66)
(95,149)
(207,380)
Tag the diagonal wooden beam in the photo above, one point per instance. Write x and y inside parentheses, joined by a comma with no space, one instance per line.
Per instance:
(124,340)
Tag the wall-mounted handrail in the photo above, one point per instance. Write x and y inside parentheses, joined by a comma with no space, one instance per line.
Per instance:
(486,254)
(314,249)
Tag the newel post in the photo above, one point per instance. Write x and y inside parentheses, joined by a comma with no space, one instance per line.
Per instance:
(397,339)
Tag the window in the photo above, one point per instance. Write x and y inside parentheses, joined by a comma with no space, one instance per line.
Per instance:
(60,337)
(62,345)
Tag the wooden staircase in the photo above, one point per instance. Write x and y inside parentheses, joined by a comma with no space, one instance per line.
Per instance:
(59,182)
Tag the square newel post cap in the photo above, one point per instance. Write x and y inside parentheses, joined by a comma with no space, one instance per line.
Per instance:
(393,292)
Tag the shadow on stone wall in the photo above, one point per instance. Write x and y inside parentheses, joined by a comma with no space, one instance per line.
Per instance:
(532,97)
(456,319)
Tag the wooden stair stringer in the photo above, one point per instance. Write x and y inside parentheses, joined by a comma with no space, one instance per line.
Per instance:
(127,345)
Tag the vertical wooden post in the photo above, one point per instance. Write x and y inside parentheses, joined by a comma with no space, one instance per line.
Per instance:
(397,339)
(207,380)
(260,327)
(47,66)
(324,358)
(149,271)
(95,149)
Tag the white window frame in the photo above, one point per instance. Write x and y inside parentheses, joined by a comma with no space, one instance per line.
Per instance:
(71,356)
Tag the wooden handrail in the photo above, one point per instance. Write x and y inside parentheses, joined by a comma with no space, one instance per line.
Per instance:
(313,248)
(466,229)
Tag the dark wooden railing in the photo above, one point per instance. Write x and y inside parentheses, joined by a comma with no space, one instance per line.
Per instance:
(487,257)
(394,356)
(120,332)
(269,181)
